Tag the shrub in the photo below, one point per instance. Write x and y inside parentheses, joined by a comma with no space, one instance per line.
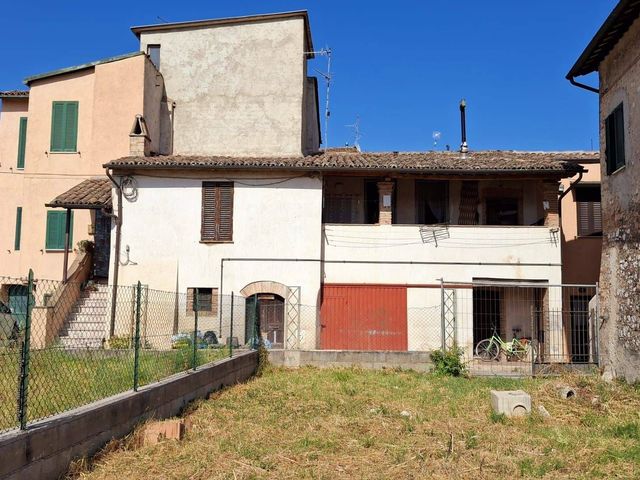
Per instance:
(120,342)
(449,362)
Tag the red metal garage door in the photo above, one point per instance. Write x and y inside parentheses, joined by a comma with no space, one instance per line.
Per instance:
(363,317)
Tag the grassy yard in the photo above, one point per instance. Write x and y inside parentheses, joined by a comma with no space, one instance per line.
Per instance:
(60,380)
(326,424)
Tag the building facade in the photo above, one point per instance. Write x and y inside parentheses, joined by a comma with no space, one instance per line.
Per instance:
(613,54)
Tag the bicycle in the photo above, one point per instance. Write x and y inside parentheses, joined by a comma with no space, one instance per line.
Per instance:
(490,348)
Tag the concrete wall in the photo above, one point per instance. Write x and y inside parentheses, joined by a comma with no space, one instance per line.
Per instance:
(620,269)
(418,361)
(239,89)
(45,450)
(580,255)
(109,96)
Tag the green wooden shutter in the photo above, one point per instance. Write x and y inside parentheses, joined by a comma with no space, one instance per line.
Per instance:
(56,224)
(22,141)
(16,245)
(71,127)
(64,127)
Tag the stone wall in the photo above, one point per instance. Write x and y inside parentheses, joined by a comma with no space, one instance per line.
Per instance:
(620,268)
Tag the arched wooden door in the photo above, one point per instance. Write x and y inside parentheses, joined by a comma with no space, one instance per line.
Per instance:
(270,310)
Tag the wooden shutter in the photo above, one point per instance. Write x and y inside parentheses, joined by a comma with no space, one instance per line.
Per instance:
(56,225)
(614,137)
(64,127)
(589,218)
(16,245)
(217,212)
(469,200)
(22,142)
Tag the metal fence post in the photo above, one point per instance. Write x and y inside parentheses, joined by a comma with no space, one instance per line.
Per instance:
(136,342)
(23,385)
(442,315)
(195,327)
(231,329)
(597,325)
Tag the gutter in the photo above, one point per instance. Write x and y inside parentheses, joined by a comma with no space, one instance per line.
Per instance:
(116,260)
(564,194)
(572,81)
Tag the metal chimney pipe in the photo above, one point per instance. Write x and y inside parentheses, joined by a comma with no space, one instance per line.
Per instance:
(463,126)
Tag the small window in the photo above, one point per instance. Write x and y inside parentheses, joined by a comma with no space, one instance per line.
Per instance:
(431,201)
(206,301)
(217,212)
(154,54)
(64,127)
(22,142)
(56,227)
(614,137)
(589,211)
(502,211)
(16,242)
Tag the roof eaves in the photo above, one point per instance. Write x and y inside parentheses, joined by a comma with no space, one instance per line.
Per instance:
(15,94)
(76,68)
(613,28)
(137,30)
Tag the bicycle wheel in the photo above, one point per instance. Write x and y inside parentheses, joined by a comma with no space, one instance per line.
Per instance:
(521,349)
(487,350)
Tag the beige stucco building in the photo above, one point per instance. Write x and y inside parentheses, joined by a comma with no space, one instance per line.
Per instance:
(73,120)
(613,53)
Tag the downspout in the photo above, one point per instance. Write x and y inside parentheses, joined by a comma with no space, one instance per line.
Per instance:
(572,81)
(564,194)
(116,260)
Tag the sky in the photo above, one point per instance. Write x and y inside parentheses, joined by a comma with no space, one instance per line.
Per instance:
(400,66)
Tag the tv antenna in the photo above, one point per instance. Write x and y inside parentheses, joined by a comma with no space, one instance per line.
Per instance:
(436,135)
(357,134)
(325,52)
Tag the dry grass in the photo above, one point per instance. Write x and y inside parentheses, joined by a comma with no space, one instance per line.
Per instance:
(326,424)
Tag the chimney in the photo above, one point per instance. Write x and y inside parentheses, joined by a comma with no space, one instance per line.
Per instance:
(463,127)
(139,141)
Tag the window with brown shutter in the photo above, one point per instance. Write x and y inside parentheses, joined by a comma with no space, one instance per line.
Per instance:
(217,212)
(207,301)
(589,211)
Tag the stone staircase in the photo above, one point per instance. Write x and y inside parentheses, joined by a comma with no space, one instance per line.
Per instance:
(86,324)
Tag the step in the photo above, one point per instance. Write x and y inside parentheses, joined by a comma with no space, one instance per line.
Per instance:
(69,343)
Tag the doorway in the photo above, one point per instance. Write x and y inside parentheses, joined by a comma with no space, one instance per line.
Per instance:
(269,309)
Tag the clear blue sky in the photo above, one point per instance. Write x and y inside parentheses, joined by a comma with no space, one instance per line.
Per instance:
(402,66)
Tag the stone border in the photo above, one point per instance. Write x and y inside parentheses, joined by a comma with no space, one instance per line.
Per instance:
(418,361)
(46,448)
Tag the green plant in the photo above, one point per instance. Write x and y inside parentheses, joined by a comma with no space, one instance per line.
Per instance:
(120,342)
(86,246)
(449,362)
(263,359)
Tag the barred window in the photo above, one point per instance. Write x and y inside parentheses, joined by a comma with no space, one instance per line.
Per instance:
(207,300)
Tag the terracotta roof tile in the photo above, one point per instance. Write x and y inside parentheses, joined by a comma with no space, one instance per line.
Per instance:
(92,193)
(437,162)
(14,94)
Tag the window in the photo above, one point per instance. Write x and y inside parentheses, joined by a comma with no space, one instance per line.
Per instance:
(589,212)
(371,202)
(207,300)
(217,212)
(432,202)
(502,211)
(56,226)
(16,243)
(64,127)
(154,54)
(614,137)
(22,142)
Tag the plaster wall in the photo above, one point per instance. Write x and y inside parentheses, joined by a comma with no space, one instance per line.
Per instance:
(245,83)
(620,268)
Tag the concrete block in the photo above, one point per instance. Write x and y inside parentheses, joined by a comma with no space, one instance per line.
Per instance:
(512,403)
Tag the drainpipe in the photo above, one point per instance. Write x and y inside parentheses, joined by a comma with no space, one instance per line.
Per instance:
(572,81)
(564,194)
(67,237)
(116,260)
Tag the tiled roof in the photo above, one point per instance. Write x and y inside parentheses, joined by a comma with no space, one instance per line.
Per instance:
(611,31)
(14,94)
(83,66)
(92,193)
(481,162)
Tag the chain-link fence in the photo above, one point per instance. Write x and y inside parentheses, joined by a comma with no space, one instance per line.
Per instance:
(64,345)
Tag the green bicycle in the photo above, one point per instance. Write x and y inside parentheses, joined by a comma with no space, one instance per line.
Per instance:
(490,348)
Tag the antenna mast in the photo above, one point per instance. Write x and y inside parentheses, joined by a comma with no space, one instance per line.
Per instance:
(356,132)
(325,52)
